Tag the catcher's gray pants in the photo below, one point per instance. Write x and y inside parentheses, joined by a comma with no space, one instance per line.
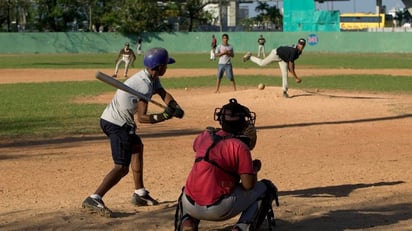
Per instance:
(273,57)
(240,201)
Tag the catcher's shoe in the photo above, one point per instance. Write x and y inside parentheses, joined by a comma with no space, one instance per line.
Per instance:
(145,200)
(96,206)
(246,57)
(190,224)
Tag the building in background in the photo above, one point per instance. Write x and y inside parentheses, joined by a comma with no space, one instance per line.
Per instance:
(304,17)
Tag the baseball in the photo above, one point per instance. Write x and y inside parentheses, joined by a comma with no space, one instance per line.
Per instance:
(261,86)
(185,88)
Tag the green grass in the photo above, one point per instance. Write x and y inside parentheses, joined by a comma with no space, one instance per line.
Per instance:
(373,83)
(42,110)
(355,60)
(313,60)
(48,109)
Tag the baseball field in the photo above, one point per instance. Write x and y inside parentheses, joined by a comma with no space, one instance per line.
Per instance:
(340,157)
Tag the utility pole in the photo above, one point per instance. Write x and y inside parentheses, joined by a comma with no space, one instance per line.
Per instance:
(220,15)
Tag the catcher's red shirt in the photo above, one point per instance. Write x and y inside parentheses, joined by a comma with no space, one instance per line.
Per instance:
(206,183)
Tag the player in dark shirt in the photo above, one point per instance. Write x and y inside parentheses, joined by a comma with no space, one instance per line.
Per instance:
(261,46)
(285,56)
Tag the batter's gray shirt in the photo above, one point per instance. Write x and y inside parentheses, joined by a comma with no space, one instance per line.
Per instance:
(123,106)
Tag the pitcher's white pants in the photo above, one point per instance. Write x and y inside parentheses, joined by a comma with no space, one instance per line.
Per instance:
(273,57)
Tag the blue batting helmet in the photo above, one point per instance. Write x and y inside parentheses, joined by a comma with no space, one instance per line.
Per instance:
(157,56)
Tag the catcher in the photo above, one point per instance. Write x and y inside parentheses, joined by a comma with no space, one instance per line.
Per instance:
(223,180)
(127,56)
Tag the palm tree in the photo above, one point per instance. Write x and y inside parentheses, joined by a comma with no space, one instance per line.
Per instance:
(268,15)
(262,7)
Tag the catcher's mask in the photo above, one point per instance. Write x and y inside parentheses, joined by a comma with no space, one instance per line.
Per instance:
(234,117)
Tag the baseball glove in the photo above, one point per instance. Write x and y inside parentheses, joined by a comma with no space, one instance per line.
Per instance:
(250,132)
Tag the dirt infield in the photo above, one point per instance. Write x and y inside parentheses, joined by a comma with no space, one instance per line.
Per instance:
(41,75)
(340,160)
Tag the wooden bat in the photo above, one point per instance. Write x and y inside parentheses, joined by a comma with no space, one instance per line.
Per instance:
(119,85)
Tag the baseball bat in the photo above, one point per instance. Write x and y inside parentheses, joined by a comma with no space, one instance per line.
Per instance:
(119,85)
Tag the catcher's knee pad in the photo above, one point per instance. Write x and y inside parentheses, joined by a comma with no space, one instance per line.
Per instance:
(179,212)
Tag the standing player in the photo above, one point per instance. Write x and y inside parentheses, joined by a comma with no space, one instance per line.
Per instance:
(127,56)
(285,56)
(139,46)
(225,53)
(261,46)
(213,45)
(118,122)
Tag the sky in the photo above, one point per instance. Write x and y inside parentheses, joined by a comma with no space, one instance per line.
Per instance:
(342,6)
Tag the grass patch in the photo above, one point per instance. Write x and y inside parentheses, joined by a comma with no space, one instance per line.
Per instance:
(376,83)
(308,59)
(41,110)
(47,109)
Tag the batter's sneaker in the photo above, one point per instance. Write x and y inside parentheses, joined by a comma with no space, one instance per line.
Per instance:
(96,206)
(145,200)
(285,95)
(246,57)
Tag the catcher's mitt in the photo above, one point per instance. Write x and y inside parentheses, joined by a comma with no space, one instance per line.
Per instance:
(250,132)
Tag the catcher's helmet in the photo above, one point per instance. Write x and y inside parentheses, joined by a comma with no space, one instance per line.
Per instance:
(234,117)
(157,56)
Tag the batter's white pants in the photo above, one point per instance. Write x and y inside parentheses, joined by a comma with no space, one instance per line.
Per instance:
(273,57)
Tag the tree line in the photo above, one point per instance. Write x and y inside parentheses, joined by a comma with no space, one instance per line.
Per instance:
(129,16)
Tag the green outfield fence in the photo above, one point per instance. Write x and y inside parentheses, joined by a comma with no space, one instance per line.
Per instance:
(199,42)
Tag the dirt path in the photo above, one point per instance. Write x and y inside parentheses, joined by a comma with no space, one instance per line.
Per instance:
(41,75)
(341,161)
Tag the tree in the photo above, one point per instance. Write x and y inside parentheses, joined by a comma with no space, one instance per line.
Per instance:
(13,13)
(262,8)
(192,14)
(136,16)
(128,16)
(268,15)
(58,15)
(402,16)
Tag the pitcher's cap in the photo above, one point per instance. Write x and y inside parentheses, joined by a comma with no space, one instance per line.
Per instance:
(302,41)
